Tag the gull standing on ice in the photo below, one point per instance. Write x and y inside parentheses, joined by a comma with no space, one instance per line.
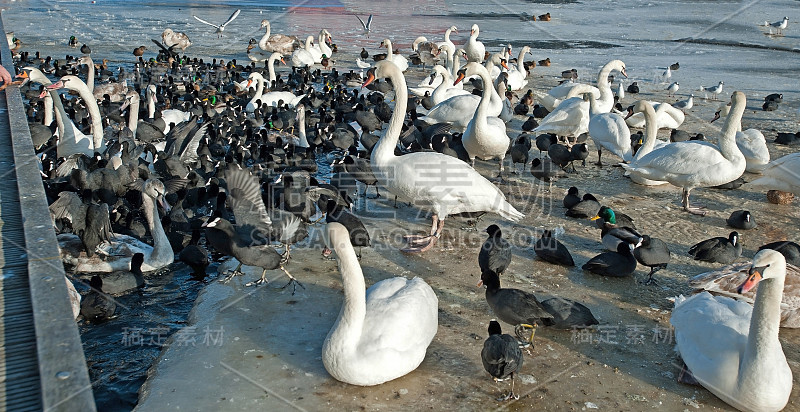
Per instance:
(221,27)
(685,104)
(780,25)
(672,88)
(714,90)
(367,26)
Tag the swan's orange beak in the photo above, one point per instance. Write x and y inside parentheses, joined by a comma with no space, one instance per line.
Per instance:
(503,63)
(630,112)
(624,73)
(752,280)
(480,283)
(370,79)
(249,82)
(23,75)
(283,61)
(459,78)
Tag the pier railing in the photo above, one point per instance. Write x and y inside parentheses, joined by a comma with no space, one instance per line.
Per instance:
(42,365)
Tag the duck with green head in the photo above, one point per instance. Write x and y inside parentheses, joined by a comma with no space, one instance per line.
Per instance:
(616,228)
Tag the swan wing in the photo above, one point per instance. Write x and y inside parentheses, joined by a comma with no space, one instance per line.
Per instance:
(401,315)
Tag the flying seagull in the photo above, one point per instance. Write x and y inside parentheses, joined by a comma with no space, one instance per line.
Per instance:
(221,27)
(367,26)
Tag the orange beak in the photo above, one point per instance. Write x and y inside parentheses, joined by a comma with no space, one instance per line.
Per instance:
(503,63)
(459,78)
(624,73)
(283,61)
(370,79)
(249,82)
(752,280)
(480,283)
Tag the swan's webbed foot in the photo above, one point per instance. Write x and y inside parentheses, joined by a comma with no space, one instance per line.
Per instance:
(696,210)
(508,396)
(419,244)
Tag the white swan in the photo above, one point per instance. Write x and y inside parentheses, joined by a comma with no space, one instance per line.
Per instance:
(302,56)
(70,139)
(690,164)
(168,116)
(458,110)
(650,141)
(447,40)
(517,74)
(383,333)
(731,348)
(446,90)
(780,174)
(74,83)
(115,90)
(485,136)
(398,59)
(569,119)
(321,48)
(603,93)
(667,117)
(269,98)
(474,48)
(433,181)
(121,248)
(277,42)
(609,131)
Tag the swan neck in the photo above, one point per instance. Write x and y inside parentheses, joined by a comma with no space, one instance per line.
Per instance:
(483,105)
(384,149)
(262,44)
(48,109)
(259,89)
(521,61)
(762,339)
(606,100)
(301,129)
(94,112)
(151,104)
(727,140)
(90,76)
(650,131)
(349,326)
(271,68)
(133,116)
(160,242)
(388,49)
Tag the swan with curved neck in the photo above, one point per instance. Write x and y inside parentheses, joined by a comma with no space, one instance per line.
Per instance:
(321,48)
(485,137)
(74,83)
(690,164)
(121,248)
(650,138)
(70,139)
(428,179)
(445,90)
(132,99)
(474,48)
(302,57)
(278,42)
(382,333)
(115,90)
(269,98)
(447,40)
(603,93)
(398,59)
(667,117)
(732,348)
(517,75)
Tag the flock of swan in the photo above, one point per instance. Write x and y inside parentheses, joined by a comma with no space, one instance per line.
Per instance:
(233,152)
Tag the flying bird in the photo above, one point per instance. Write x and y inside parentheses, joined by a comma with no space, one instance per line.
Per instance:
(367,26)
(221,27)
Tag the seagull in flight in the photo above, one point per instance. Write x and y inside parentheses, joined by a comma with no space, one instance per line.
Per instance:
(367,26)
(221,27)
